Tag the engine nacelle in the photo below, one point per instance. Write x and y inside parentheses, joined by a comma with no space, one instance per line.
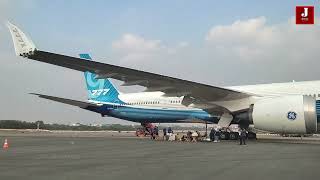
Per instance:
(287,114)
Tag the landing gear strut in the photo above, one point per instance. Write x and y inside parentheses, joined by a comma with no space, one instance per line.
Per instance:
(206,129)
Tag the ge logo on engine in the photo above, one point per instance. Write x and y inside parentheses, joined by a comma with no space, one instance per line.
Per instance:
(292,115)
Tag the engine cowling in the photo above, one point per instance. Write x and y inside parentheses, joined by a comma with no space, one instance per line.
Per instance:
(287,114)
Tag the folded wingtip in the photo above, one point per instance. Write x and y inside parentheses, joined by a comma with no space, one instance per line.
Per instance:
(22,44)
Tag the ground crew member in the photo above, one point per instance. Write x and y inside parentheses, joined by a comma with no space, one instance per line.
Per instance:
(243,136)
(189,136)
(164,133)
(217,135)
(152,133)
(156,130)
(211,135)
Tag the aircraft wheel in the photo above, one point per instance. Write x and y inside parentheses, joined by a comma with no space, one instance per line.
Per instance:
(224,135)
(234,136)
(252,135)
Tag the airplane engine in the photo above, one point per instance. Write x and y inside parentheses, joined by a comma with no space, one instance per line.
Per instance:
(288,114)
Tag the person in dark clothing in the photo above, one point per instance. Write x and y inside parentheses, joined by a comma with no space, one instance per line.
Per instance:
(243,136)
(170,130)
(164,131)
(217,136)
(156,130)
(211,135)
(152,133)
(189,136)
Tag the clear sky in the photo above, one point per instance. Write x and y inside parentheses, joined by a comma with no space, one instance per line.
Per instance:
(215,42)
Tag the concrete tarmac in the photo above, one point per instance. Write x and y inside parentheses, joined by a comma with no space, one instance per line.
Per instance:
(79,158)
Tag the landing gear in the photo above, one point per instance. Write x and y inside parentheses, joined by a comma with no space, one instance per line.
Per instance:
(234,136)
(252,135)
(206,129)
(225,135)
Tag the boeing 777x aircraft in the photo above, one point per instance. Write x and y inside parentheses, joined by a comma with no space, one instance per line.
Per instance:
(280,107)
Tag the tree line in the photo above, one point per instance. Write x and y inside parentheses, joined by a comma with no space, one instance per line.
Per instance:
(16,124)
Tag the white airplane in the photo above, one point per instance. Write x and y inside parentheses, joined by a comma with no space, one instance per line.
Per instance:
(280,107)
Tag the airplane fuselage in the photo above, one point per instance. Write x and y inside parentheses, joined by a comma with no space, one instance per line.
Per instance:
(155,107)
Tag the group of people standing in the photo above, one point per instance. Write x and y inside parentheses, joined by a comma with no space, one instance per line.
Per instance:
(215,135)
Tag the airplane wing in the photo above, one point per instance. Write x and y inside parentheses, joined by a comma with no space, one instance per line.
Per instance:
(193,91)
(80,104)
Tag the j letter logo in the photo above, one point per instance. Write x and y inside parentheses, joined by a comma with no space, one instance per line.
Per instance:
(304,15)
